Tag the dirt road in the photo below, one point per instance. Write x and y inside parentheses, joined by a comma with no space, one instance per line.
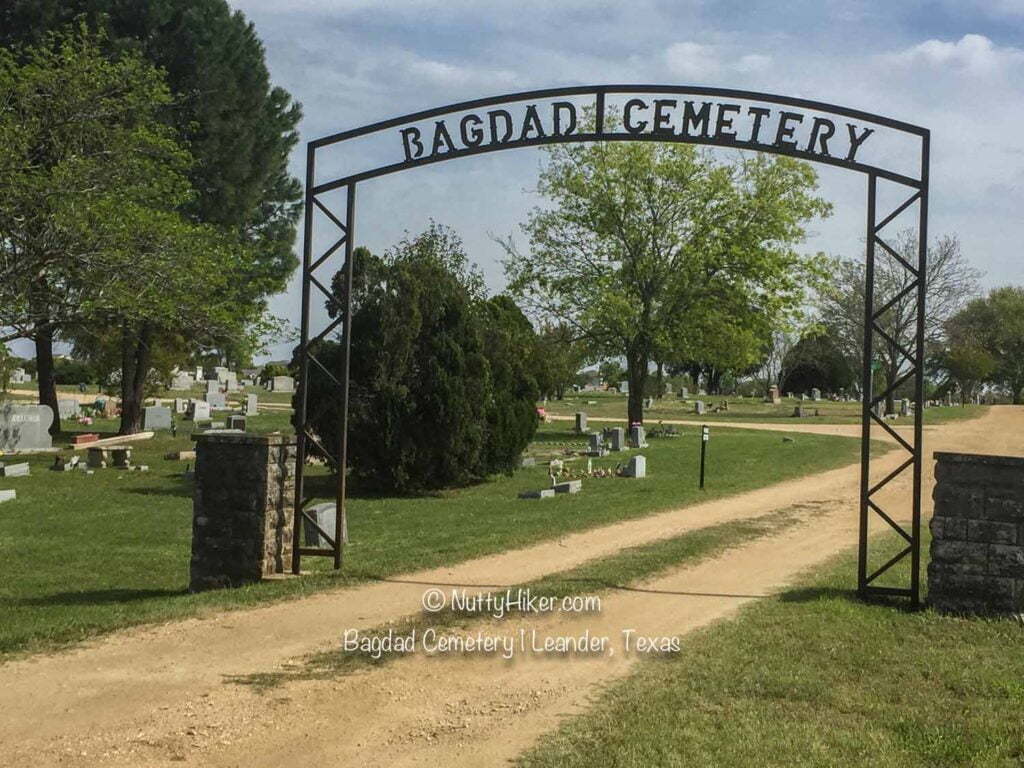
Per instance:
(160,695)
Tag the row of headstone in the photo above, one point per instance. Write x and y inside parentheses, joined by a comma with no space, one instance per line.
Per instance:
(18,376)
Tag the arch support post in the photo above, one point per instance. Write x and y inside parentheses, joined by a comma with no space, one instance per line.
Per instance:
(314,533)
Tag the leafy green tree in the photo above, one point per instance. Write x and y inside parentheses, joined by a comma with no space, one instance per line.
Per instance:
(442,392)
(559,357)
(817,362)
(644,243)
(88,163)
(969,366)
(995,324)
(237,126)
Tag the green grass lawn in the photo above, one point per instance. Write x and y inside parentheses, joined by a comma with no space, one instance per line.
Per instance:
(813,677)
(85,555)
(611,405)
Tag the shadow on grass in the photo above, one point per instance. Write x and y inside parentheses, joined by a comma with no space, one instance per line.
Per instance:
(816,594)
(98,597)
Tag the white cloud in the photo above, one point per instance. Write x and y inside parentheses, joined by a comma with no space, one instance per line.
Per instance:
(753,62)
(972,53)
(691,60)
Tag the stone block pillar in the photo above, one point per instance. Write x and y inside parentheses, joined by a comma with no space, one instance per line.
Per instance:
(243,508)
(977,551)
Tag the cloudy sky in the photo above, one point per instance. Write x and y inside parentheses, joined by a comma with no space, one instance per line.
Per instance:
(954,66)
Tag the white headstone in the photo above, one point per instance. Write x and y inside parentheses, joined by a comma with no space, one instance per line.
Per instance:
(156,417)
(216,400)
(581,422)
(618,439)
(199,410)
(283,384)
(251,405)
(698,407)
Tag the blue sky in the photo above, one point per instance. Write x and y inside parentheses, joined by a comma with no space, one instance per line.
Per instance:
(954,66)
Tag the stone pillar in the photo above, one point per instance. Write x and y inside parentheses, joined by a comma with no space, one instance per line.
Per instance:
(243,508)
(977,551)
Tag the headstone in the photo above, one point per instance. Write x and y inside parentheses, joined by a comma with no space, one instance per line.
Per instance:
(581,422)
(815,394)
(596,444)
(528,461)
(212,385)
(14,470)
(182,381)
(156,417)
(180,405)
(108,408)
(25,427)
(684,392)
(544,493)
(282,384)
(905,407)
(624,387)
(236,421)
(199,373)
(648,402)
(216,400)
(325,516)
(569,486)
(698,407)
(220,372)
(8,494)
(618,439)
(67,409)
(199,410)
(637,436)
(637,467)
(251,405)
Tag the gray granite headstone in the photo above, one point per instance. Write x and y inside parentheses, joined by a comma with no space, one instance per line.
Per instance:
(212,385)
(67,409)
(14,470)
(180,405)
(618,439)
(283,384)
(815,394)
(199,410)
(905,407)
(25,427)
(182,381)
(156,417)
(581,422)
(325,517)
(216,400)
(698,407)
(251,405)
(637,436)
(8,495)
(637,467)
(624,387)
(236,421)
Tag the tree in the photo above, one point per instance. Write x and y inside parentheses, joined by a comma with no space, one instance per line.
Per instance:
(442,391)
(642,242)
(968,366)
(816,362)
(238,127)
(949,283)
(995,324)
(88,164)
(559,358)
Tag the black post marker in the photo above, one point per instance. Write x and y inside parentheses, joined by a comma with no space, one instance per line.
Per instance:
(705,433)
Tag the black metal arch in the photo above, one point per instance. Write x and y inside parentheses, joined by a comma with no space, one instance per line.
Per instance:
(791,113)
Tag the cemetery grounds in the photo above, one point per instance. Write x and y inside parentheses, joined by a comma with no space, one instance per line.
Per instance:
(804,675)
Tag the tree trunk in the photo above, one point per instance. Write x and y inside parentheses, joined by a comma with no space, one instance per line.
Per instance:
(44,370)
(637,374)
(135,355)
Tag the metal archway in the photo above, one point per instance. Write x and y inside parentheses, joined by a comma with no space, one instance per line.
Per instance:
(709,116)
